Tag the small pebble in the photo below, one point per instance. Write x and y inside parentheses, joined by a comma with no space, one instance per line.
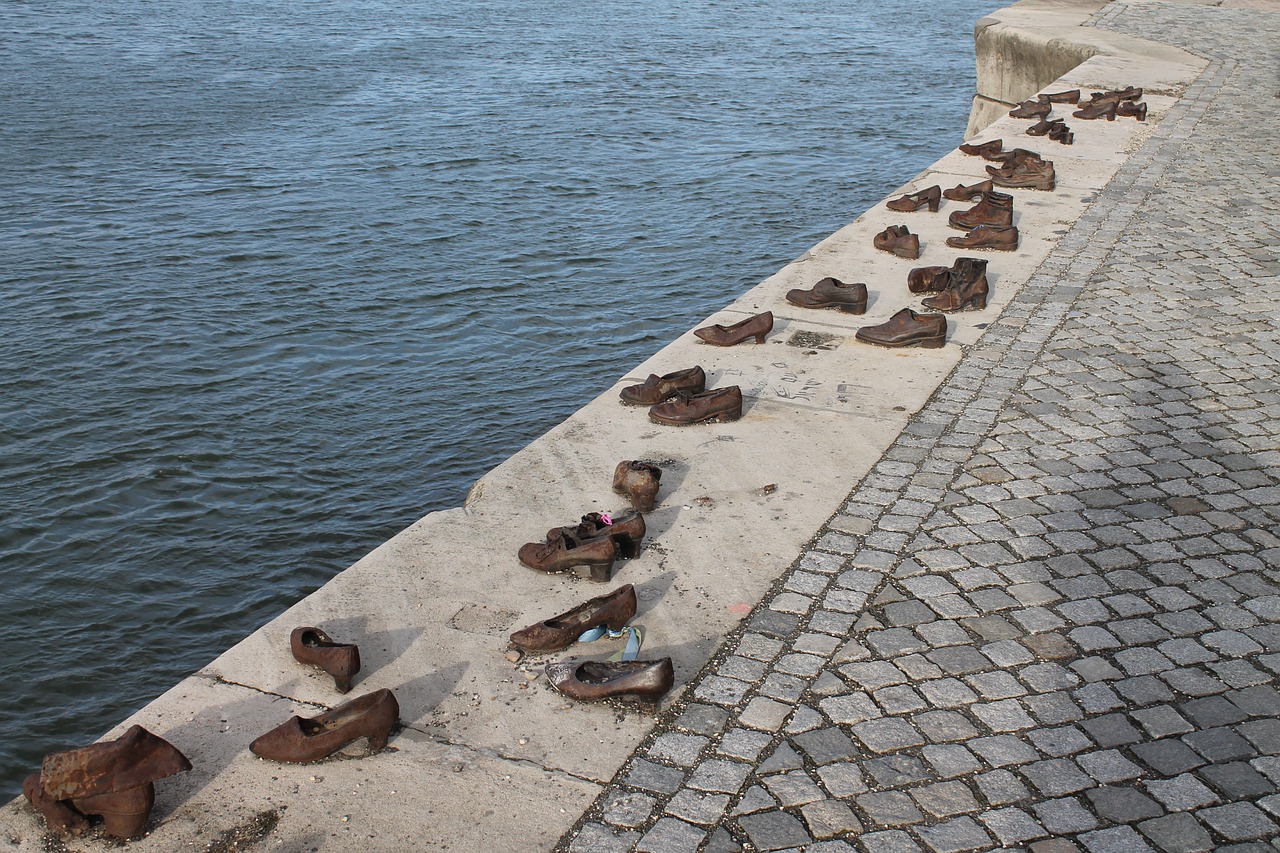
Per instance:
(515,655)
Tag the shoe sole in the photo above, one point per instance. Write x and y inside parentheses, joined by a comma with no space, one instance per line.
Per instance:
(923,343)
(721,418)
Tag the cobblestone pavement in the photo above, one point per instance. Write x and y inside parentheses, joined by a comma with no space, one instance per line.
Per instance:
(1049,618)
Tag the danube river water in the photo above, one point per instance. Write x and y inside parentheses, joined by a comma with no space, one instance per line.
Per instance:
(279,278)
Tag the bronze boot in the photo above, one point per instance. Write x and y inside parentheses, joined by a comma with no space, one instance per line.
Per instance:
(928,279)
(124,813)
(722,404)
(907,329)
(967,288)
(973,192)
(639,482)
(301,740)
(657,388)
(314,647)
(1062,134)
(612,610)
(912,202)
(567,551)
(831,293)
(899,241)
(726,336)
(995,209)
(592,680)
(987,237)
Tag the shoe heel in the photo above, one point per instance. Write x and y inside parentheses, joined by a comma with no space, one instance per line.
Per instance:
(628,547)
(933,205)
(598,572)
(978,303)
(760,337)
(854,309)
(378,741)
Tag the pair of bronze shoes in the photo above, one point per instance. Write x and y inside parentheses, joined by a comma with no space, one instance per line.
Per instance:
(962,285)
(833,293)
(113,781)
(758,327)
(593,545)
(1023,169)
(897,240)
(989,223)
(681,398)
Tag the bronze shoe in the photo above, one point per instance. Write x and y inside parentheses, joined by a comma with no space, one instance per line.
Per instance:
(124,813)
(1096,110)
(981,148)
(657,388)
(722,404)
(1129,109)
(1131,93)
(612,610)
(1028,174)
(1031,109)
(897,240)
(928,279)
(1009,159)
(970,193)
(59,816)
(567,551)
(726,336)
(912,202)
(995,209)
(592,680)
(1062,134)
(831,293)
(1071,96)
(627,532)
(987,237)
(907,329)
(638,481)
(313,647)
(967,287)
(1044,126)
(300,740)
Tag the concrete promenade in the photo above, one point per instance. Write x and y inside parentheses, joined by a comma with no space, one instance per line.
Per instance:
(1049,618)
(1046,617)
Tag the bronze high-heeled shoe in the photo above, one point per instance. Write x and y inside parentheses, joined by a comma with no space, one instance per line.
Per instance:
(657,388)
(726,336)
(1045,126)
(613,610)
(592,680)
(972,192)
(567,551)
(638,481)
(1031,109)
(627,532)
(313,647)
(1071,96)
(898,241)
(912,202)
(1096,110)
(1129,109)
(301,740)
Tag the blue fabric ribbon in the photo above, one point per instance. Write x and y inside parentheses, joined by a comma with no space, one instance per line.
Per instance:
(634,639)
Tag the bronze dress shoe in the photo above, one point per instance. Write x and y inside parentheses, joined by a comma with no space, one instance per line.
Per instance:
(832,293)
(314,647)
(907,329)
(899,241)
(1026,174)
(987,237)
(657,388)
(981,148)
(300,740)
(627,532)
(1131,93)
(113,780)
(1031,109)
(1007,159)
(928,279)
(966,288)
(970,193)
(721,404)
(593,680)
(567,551)
(613,610)
(912,202)
(726,336)
(638,481)
(995,209)
(1071,96)
(1096,110)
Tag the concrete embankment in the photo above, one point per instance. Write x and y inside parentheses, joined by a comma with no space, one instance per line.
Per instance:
(490,757)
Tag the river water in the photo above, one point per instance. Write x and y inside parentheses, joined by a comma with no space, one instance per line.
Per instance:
(277,279)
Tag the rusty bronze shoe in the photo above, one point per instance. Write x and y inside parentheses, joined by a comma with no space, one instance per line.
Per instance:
(832,293)
(928,279)
(627,532)
(912,202)
(1045,126)
(907,329)
(721,404)
(1027,174)
(973,192)
(979,149)
(726,336)
(300,740)
(967,287)
(113,780)
(612,610)
(1031,109)
(313,647)
(592,680)
(995,209)
(657,388)
(1131,93)
(638,481)
(1096,110)
(987,237)
(567,551)
(1062,134)
(1071,96)
(1008,159)
(1129,109)
(896,240)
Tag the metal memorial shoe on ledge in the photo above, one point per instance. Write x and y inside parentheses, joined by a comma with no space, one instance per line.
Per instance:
(1033,174)
(302,740)
(638,481)
(1071,96)
(612,610)
(994,209)
(726,336)
(592,681)
(832,293)
(912,202)
(973,192)
(898,241)
(720,404)
(966,287)
(981,149)
(907,329)
(627,531)
(657,388)
(1031,109)
(314,647)
(987,237)
(566,551)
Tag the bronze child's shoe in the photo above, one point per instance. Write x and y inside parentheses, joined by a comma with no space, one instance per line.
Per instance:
(928,279)
(967,288)
(591,680)
(1031,109)
(897,240)
(831,293)
(970,193)
(726,336)
(912,202)
(612,610)
(979,149)
(627,532)
(722,404)
(314,647)
(657,388)
(567,551)
(995,209)
(907,329)
(638,481)
(300,740)
(1071,96)
(987,237)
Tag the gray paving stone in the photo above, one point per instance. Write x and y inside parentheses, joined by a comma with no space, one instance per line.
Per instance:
(1177,833)
(889,808)
(842,779)
(895,770)
(596,838)
(744,744)
(794,788)
(694,807)
(1003,750)
(890,841)
(850,709)
(955,835)
(653,777)
(679,749)
(829,818)
(628,808)
(1220,744)
(887,734)
(1168,756)
(1012,826)
(1056,777)
(944,726)
(1237,780)
(1108,766)
(1064,816)
(774,830)
(1120,839)
(719,776)
(945,799)
(1123,805)
(1238,821)
(1000,787)
(765,714)
(670,835)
